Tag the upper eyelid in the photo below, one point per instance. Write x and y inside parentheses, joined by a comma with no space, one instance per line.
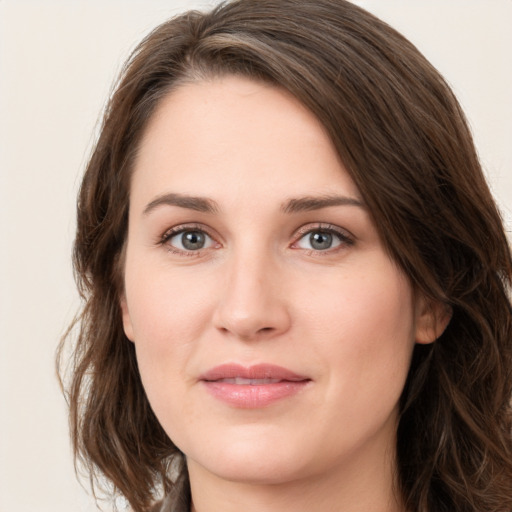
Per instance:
(323,226)
(180,228)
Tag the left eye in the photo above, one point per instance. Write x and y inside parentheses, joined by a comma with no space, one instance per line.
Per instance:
(320,240)
(190,240)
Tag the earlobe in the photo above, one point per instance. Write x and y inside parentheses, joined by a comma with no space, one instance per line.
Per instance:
(127,321)
(432,318)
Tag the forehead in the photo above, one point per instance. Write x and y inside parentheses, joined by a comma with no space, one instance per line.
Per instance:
(234,135)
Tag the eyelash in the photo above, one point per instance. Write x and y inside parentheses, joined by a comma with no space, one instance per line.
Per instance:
(184,228)
(345,239)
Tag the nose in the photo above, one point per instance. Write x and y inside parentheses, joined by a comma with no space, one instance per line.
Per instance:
(252,304)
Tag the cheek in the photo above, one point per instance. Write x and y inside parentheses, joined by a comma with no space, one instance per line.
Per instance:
(364,326)
(165,304)
(381,316)
(370,305)
(168,315)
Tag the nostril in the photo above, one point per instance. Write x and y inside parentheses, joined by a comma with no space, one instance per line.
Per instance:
(251,319)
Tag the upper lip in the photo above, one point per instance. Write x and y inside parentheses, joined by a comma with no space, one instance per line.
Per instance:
(257,371)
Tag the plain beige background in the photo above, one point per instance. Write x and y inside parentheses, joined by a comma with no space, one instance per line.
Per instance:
(57,62)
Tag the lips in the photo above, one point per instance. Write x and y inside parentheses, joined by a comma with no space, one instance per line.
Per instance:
(240,381)
(252,387)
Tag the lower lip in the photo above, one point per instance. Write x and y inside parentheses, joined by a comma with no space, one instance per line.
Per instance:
(254,396)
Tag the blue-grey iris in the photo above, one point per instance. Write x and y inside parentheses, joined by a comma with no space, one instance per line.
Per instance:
(320,240)
(193,240)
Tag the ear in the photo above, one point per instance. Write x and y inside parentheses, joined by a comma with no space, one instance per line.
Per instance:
(432,318)
(127,321)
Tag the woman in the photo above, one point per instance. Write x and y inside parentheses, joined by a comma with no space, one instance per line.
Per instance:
(295,277)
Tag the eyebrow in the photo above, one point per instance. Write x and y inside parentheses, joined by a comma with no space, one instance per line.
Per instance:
(294,205)
(311,203)
(199,204)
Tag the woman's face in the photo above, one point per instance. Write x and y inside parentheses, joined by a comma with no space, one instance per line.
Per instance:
(273,333)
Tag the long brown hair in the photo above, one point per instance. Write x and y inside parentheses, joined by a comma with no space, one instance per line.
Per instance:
(403,138)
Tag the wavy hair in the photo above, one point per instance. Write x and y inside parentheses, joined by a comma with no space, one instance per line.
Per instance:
(403,138)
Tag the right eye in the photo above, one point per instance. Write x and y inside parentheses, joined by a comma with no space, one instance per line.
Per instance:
(188,240)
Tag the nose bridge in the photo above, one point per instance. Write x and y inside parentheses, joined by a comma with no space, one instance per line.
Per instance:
(251,304)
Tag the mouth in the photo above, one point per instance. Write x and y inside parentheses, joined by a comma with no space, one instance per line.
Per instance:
(240,381)
(252,387)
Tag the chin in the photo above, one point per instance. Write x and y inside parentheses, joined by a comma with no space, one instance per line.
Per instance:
(263,458)
(253,472)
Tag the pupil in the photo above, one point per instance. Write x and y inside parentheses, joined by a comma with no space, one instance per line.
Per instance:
(193,240)
(320,241)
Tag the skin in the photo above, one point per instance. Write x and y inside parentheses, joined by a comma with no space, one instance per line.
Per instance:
(259,292)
